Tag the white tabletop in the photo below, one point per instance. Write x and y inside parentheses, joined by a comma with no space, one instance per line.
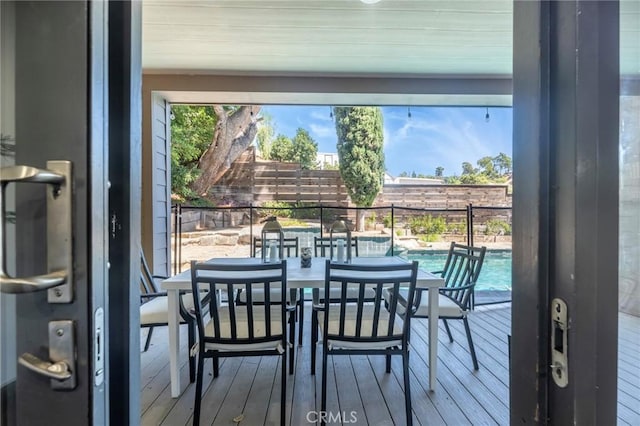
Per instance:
(298,277)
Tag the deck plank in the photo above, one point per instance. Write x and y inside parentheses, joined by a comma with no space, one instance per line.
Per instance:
(304,385)
(236,398)
(214,393)
(251,385)
(482,382)
(332,390)
(375,408)
(392,388)
(257,405)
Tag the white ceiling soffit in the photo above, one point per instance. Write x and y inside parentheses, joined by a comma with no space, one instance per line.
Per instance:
(288,98)
(336,37)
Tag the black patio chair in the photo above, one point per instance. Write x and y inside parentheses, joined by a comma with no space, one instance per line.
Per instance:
(290,244)
(322,246)
(460,273)
(291,247)
(228,329)
(356,327)
(154,310)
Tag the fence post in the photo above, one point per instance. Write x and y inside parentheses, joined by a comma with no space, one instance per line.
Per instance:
(321,219)
(393,231)
(179,238)
(468,223)
(175,240)
(471,224)
(251,248)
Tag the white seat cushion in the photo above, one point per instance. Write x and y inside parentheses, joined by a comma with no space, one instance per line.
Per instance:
(352,293)
(242,329)
(156,310)
(365,330)
(257,295)
(446,306)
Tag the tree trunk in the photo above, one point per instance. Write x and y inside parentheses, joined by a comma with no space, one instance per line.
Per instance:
(360,219)
(233,134)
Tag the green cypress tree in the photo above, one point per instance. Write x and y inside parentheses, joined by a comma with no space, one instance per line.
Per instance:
(360,143)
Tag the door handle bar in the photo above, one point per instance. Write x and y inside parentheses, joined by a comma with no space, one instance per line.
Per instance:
(53,370)
(61,364)
(29,174)
(31,284)
(59,261)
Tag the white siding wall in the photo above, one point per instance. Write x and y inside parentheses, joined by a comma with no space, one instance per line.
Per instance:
(8,360)
(161,198)
(629,252)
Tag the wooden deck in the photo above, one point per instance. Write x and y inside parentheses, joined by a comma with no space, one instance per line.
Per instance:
(251,386)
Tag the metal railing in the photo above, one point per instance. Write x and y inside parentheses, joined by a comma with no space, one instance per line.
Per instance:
(467,222)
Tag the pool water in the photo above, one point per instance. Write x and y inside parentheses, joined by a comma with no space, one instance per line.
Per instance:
(495,273)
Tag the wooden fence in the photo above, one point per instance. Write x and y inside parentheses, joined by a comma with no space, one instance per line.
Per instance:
(251,181)
(444,196)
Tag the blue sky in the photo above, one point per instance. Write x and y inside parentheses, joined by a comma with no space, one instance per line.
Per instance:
(432,137)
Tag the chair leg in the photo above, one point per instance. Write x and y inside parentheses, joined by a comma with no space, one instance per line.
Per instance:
(192,359)
(216,365)
(446,327)
(300,317)
(407,387)
(292,348)
(283,390)
(198,395)
(314,340)
(388,363)
(323,400)
(148,341)
(471,348)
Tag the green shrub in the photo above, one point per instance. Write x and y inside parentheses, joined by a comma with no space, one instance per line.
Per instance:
(275,208)
(305,213)
(292,223)
(497,227)
(399,232)
(457,228)
(427,224)
(429,238)
(386,220)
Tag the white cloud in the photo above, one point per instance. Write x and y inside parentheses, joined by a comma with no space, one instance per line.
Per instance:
(321,130)
(443,137)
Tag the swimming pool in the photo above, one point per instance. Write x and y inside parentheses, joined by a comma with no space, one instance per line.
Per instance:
(494,276)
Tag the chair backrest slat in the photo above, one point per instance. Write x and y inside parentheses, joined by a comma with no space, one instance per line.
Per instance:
(147,284)
(267,307)
(343,304)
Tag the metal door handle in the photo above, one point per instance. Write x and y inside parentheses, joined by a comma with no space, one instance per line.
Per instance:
(59,242)
(31,284)
(61,368)
(53,370)
(29,174)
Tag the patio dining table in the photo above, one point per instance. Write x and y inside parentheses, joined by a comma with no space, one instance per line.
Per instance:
(297,277)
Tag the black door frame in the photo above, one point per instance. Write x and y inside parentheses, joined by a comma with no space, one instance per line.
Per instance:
(78,85)
(125,178)
(61,89)
(565,226)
